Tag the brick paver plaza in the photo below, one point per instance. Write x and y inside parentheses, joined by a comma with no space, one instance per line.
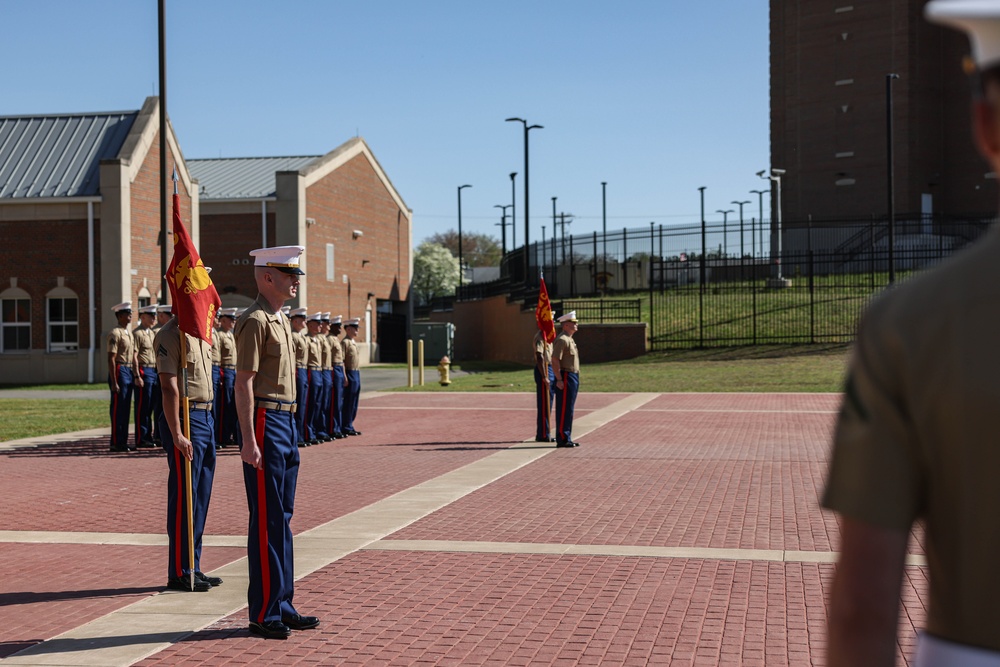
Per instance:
(685,530)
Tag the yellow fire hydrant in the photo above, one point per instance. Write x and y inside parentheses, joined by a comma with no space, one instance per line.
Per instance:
(443,367)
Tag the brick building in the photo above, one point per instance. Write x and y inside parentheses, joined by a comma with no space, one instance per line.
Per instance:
(341,206)
(829,61)
(79,227)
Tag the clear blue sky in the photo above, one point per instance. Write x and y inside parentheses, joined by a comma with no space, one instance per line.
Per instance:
(656,97)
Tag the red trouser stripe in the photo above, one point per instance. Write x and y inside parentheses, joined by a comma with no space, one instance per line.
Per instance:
(179,531)
(114,411)
(138,411)
(265,563)
(222,404)
(562,413)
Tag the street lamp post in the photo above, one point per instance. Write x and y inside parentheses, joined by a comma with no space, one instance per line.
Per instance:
(760,220)
(503,225)
(775,177)
(527,233)
(513,213)
(889,78)
(461,270)
(701,277)
(740,204)
(604,226)
(725,235)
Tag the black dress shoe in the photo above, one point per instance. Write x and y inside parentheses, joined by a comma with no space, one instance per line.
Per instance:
(339,436)
(184,584)
(303,444)
(545,439)
(568,443)
(270,630)
(299,622)
(211,581)
(352,432)
(147,444)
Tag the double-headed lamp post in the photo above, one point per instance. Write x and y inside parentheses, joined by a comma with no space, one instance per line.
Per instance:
(775,177)
(740,204)
(527,233)
(461,271)
(503,225)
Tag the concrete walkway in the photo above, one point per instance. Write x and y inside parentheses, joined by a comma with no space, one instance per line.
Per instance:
(683,531)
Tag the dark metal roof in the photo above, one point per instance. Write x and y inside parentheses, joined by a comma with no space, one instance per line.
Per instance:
(58,155)
(242,177)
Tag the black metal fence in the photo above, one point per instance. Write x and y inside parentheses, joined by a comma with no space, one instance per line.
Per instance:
(726,283)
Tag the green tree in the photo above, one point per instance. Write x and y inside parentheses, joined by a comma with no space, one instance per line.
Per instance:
(435,271)
(477,249)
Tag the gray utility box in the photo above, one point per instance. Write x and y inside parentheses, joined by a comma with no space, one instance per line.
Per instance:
(439,340)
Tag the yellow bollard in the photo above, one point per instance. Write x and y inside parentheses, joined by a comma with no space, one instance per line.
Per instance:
(420,360)
(443,367)
(409,362)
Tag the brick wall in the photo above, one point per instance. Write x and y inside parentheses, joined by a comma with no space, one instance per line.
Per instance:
(497,330)
(145,212)
(60,249)
(226,240)
(352,197)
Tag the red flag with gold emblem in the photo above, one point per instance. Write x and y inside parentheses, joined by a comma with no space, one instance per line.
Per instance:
(192,293)
(543,314)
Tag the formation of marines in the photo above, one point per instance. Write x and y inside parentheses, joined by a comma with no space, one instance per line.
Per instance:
(327,377)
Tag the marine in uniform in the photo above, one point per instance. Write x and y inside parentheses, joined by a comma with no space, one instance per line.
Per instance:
(163,315)
(323,412)
(123,376)
(352,371)
(339,378)
(298,320)
(545,387)
(315,368)
(216,368)
(199,449)
(265,400)
(566,368)
(225,428)
(916,435)
(149,392)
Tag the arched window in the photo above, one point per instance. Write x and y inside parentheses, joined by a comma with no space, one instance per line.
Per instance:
(143,297)
(15,321)
(62,325)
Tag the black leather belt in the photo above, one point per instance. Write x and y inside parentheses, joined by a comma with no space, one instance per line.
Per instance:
(274,405)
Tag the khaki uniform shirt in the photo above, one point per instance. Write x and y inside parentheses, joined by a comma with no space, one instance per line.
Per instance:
(198,363)
(327,353)
(917,435)
(264,345)
(143,337)
(543,348)
(227,347)
(352,360)
(564,349)
(121,343)
(301,344)
(216,348)
(337,349)
(315,352)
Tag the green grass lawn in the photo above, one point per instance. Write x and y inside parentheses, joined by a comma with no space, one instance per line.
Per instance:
(27,418)
(772,368)
(769,368)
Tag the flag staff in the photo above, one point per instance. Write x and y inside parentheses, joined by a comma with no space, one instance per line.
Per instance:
(186,425)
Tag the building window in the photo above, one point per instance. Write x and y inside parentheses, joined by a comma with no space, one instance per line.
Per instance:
(63,323)
(15,323)
(330,273)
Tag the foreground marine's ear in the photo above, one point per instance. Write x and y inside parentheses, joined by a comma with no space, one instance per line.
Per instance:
(986,126)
